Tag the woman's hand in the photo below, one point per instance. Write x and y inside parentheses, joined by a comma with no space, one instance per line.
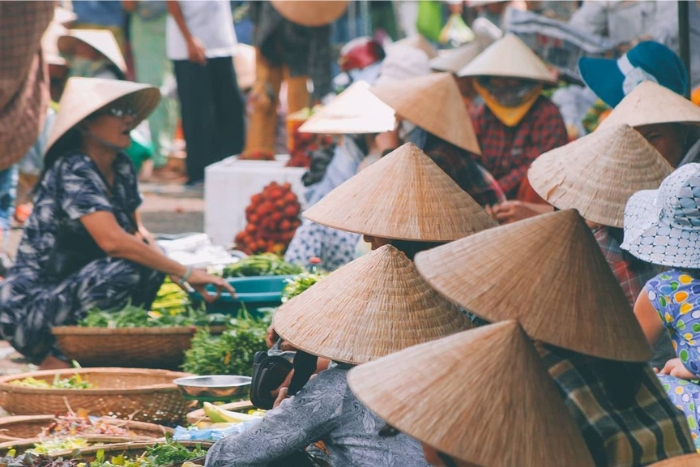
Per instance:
(271,338)
(676,368)
(513,211)
(196,51)
(199,279)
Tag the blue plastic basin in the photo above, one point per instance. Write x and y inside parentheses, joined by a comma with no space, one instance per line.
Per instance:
(255,292)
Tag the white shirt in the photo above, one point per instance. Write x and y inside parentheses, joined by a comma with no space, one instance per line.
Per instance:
(210,22)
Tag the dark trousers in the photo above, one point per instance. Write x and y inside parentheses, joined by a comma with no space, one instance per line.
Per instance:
(212,110)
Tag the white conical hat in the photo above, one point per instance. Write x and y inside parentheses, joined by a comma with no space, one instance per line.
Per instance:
(63,16)
(101,40)
(482,396)
(84,96)
(369,308)
(597,174)
(356,110)
(49,43)
(509,57)
(650,103)
(432,102)
(405,196)
(452,61)
(417,42)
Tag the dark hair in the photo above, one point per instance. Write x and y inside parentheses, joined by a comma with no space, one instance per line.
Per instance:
(411,248)
(621,381)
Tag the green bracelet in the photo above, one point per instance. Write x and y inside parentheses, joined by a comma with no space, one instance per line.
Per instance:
(186,275)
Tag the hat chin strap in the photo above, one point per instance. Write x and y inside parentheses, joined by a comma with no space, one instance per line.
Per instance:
(634,75)
(101,141)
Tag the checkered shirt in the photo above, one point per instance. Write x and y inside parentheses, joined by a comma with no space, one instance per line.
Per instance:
(631,275)
(24,86)
(507,152)
(648,431)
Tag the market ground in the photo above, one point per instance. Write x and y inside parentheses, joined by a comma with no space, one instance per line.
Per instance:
(167,209)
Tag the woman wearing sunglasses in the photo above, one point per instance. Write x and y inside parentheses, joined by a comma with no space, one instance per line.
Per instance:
(84,245)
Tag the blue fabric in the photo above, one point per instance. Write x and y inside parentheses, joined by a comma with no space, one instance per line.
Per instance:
(604,77)
(346,159)
(8,193)
(102,12)
(30,301)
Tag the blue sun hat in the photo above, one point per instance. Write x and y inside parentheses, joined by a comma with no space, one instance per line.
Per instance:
(663,226)
(612,79)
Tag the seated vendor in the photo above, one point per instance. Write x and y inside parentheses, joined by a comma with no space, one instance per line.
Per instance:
(516,123)
(84,245)
(344,318)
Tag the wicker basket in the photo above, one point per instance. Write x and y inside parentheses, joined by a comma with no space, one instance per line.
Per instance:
(29,426)
(22,445)
(128,393)
(125,347)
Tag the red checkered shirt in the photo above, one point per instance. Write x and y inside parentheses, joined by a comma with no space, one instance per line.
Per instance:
(632,275)
(507,152)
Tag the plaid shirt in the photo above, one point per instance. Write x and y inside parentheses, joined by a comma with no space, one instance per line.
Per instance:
(631,275)
(461,166)
(507,152)
(24,85)
(648,431)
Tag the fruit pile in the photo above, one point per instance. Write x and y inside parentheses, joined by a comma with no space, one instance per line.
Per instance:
(273,217)
(257,155)
(301,145)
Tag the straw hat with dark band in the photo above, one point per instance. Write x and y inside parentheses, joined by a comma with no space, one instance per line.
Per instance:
(100,40)
(549,274)
(509,57)
(452,61)
(311,13)
(482,396)
(689,460)
(403,196)
(597,174)
(650,103)
(84,96)
(356,110)
(369,308)
(432,102)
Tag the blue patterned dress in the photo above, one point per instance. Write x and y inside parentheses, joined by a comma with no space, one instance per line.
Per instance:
(31,302)
(676,297)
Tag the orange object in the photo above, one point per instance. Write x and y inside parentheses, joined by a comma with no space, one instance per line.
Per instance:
(695,96)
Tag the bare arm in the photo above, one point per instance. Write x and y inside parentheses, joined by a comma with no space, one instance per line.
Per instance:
(648,318)
(195,48)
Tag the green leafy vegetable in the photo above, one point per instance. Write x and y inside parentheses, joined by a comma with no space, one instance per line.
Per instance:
(266,264)
(136,317)
(299,284)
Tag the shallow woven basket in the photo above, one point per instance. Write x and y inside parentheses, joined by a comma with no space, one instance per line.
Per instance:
(22,445)
(128,393)
(29,426)
(126,347)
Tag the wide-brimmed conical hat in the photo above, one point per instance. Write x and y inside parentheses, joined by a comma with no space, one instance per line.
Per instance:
(597,174)
(509,57)
(452,61)
(403,196)
(417,42)
(369,308)
(311,13)
(432,102)
(650,103)
(101,40)
(84,96)
(354,111)
(688,460)
(549,274)
(481,396)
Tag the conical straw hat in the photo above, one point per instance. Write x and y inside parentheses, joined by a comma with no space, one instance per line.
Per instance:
(549,274)
(356,110)
(688,460)
(454,60)
(101,40)
(404,196)
(417,42)
(509,57)
(432,102)
(369,308)
(311,13)
(84,96)
(482,396)
(651,103)
(597,174)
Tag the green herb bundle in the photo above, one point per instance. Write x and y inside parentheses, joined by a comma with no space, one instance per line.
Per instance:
(136,317)
(266,264)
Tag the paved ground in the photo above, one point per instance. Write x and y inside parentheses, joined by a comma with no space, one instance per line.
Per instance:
(168,209)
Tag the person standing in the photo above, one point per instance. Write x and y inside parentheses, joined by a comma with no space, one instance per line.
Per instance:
(200,42)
